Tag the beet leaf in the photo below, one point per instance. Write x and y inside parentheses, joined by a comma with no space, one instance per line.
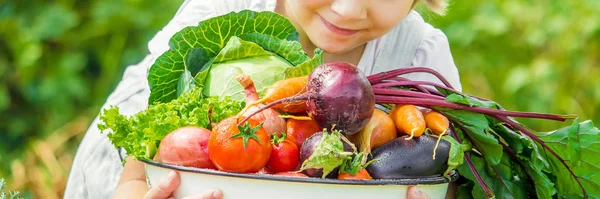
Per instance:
(584,163)
(503,158)
(477,127)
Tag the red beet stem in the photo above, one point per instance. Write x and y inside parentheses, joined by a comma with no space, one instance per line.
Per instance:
(418,87)
(512,155)
(289,99)
(468,135)
(405,93)
(482,183)
(442,103)
(376,78)
(410,83)
(538,140)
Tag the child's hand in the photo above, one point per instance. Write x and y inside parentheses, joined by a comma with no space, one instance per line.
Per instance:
(415,193)
(164,189)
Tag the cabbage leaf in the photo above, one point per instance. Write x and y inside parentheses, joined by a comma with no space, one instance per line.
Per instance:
(261,44)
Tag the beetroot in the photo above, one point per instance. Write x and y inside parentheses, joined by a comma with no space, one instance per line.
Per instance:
(338,94)
(342,96)
(307,150)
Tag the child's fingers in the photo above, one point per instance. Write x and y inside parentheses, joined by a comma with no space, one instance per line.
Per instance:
(213,194)
(415,193)
(164,188)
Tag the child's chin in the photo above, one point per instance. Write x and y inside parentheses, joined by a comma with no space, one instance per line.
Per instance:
(334,48)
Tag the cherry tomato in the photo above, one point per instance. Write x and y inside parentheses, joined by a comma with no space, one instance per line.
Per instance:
(285,154)
(241,149)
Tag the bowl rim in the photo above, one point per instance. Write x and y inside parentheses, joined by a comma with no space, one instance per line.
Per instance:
(409,180)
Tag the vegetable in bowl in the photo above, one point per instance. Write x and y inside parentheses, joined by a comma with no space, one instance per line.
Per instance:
(194,84)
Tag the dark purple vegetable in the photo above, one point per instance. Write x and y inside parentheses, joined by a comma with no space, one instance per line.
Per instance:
(343,97)
(400,158)
(337,94)
(307,150)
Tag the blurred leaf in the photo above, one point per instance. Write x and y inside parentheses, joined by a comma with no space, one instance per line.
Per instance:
(4,98)
(59,60)
(53,21)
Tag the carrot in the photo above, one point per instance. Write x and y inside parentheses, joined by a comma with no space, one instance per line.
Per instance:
(408,120)
(284,89)
(436,123)
(362,174)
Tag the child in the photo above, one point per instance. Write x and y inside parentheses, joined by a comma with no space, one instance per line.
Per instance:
(374,35)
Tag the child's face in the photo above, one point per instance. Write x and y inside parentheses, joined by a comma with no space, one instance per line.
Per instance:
(338,26)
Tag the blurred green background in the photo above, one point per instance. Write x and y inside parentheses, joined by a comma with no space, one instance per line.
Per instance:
(59,60)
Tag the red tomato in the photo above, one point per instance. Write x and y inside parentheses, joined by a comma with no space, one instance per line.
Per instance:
(285,155)
(361,175)
(244,149)
(299,130)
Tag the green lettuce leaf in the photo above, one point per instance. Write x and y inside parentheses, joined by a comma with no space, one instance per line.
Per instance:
(198,49)
(140,134)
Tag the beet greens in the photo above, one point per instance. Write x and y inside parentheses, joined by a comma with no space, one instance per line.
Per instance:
(497,140)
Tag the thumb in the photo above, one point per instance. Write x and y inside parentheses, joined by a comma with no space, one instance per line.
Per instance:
(415,193)
(164,188)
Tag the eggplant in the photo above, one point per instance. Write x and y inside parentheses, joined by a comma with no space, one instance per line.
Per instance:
(402,158)
(307,150)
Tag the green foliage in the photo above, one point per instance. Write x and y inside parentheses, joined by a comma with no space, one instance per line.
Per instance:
(537,56)
(579,150)
(9,194)
(140,135)
(219,48)
(61,59)
(328,153)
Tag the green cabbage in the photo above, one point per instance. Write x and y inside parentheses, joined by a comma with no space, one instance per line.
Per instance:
(261,44)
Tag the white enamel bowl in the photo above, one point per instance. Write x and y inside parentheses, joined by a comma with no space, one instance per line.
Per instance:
(253,186)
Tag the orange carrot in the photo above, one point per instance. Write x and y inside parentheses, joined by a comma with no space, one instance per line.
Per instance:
(284,89)
(408,120)
(437,123)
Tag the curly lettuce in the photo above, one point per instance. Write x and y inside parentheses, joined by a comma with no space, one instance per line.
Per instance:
(140,134)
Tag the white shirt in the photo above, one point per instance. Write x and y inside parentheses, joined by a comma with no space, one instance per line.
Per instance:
(97,166)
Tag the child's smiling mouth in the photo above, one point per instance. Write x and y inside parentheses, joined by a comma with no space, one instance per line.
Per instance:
(338,30)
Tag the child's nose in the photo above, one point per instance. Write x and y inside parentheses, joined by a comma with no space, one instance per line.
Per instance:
(350,9)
